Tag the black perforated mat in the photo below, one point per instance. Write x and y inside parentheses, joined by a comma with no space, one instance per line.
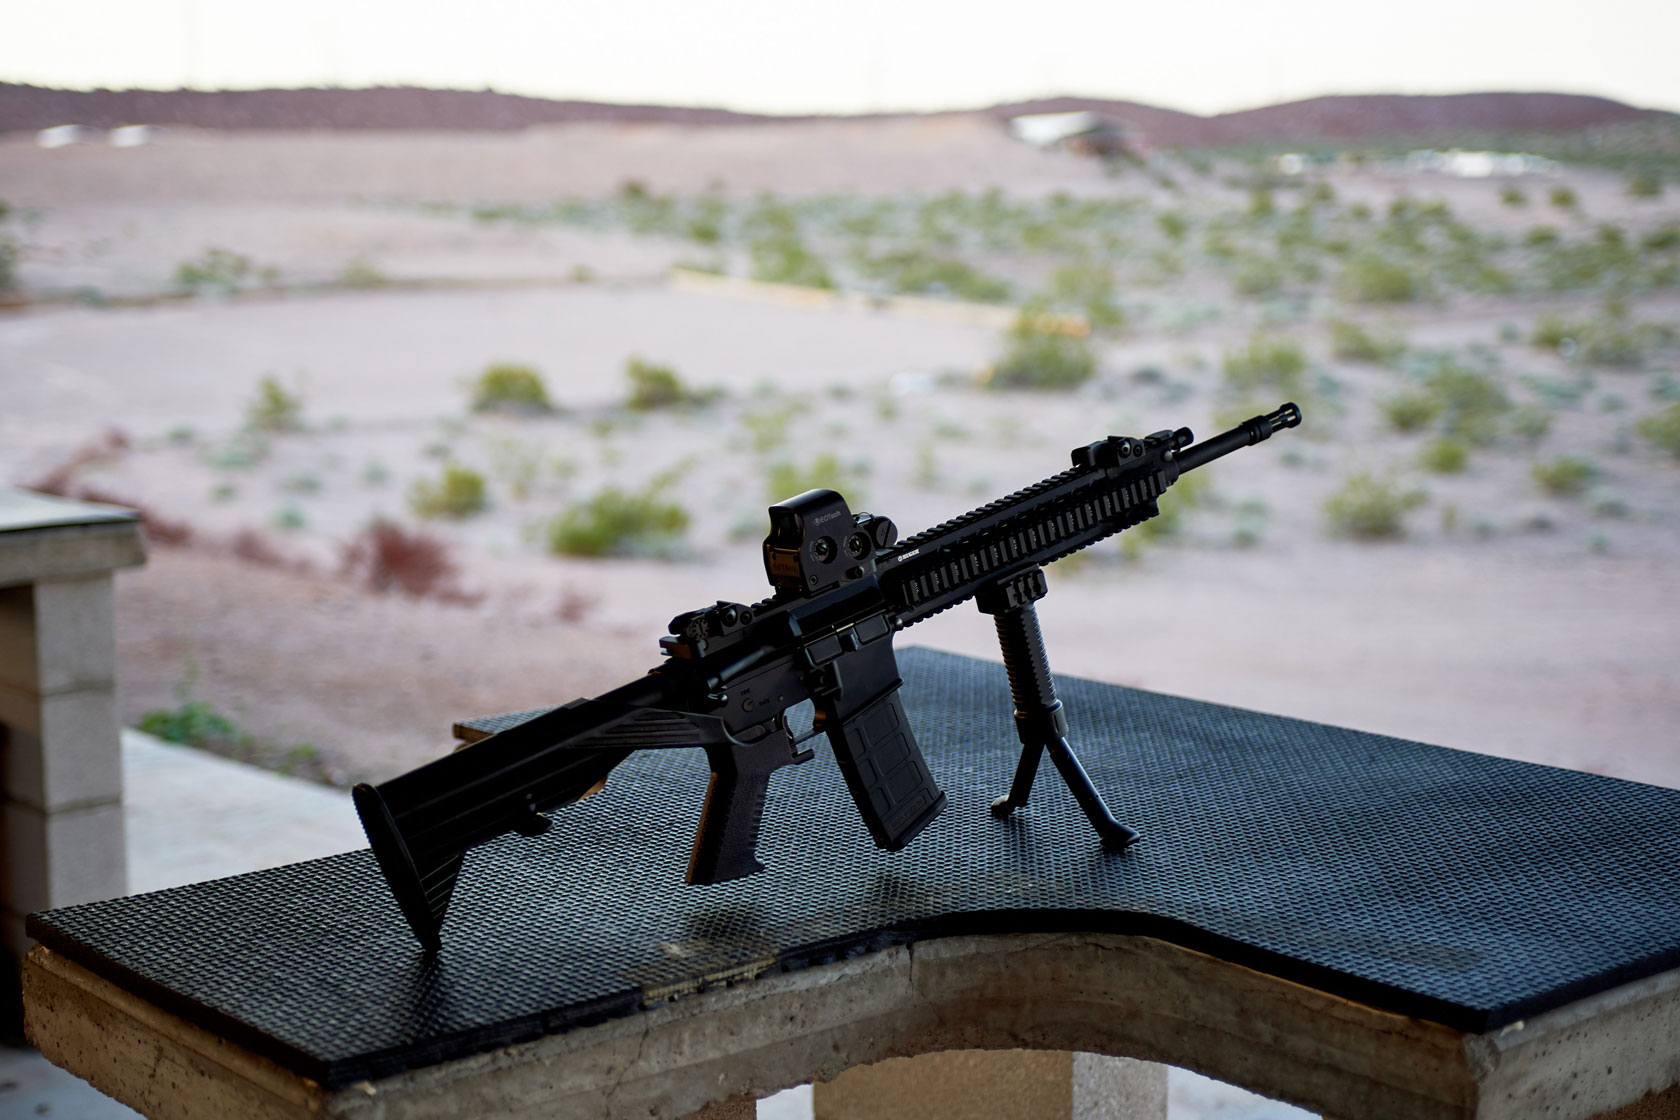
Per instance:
(1468,890)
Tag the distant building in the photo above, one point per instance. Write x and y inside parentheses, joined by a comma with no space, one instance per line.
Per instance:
(63,135)
(1085,133)
(1479,165)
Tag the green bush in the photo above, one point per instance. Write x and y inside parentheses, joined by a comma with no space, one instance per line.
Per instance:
(1512,196)
(1445,456)
(1353,343)
(458,492)
(1174,225)
(1541,236)
(1531,423)
(1257,277)
(1564,198)
(655,386)
(1662,429)
(360,272)
(1040,354)
(273,409)
(9,254)
(1564,476)
(509,387)
(779,253)
(1472,403)
(1266,363)
(1644,184)
(1090,288)
(1368,508)
(1408,412)
(196,723)
(1663,238)
(1368,278)
(825,472)
(1550,332)
(217,268)
(913,271)
(616,522)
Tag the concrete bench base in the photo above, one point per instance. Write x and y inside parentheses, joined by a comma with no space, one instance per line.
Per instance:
(1101,994)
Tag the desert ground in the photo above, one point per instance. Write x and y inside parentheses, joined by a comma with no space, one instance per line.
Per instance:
(375,277)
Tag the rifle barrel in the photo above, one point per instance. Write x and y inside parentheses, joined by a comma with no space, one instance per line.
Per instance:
(1249,432)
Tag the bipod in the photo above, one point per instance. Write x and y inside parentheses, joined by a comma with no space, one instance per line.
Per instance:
(1039,719)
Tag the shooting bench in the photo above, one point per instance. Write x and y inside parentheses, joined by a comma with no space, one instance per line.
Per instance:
(1368,927)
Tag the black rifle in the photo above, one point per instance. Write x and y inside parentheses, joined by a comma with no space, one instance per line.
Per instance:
(844,585)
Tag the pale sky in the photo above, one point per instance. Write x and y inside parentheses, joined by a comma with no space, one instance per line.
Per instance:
(788,57)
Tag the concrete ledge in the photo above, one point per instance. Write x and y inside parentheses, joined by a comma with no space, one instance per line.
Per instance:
(1122,996)
(70,550)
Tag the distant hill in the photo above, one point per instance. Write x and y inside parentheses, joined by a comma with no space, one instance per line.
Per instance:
(28,108)
(1363,117)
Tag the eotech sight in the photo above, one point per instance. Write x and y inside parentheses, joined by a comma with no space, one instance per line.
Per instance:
(844,585)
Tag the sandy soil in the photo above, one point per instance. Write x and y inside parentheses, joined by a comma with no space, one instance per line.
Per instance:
(1532,629)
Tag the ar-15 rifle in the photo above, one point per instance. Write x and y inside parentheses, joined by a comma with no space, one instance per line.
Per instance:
(844,585)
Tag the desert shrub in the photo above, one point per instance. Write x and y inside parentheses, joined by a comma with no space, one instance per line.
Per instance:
(825,472)
(1663,238)
(1266,363)
(653,386)
(617,522)
(1662,429)
(1260,204)
(387,557)
(273,409)
(360,272)
(510,387)
(458,492)
(1351,342)
(1541,236)
(1368,278)
(910,270)
(195,723)
(1512,196)
(1564,476)
(768,429)
(1550,332)
(1610,340)
(1531,423)
(1369,508)
(1410,411)
(1644,184)
(1607,339)
(1257,277)
(1090,288)
(217,268)
(1174,225)
(780,255)
(9,254)
(1564,198)
(1040,354)
(1472,403)
(1444,456)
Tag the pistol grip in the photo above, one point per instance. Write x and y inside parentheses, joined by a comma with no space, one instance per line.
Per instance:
(884,770)
(725,845)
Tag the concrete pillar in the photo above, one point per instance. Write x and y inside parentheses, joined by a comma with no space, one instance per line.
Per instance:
(61,823)
(1001,1084)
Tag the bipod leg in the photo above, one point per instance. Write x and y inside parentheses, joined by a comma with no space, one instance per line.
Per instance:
(1039,719)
